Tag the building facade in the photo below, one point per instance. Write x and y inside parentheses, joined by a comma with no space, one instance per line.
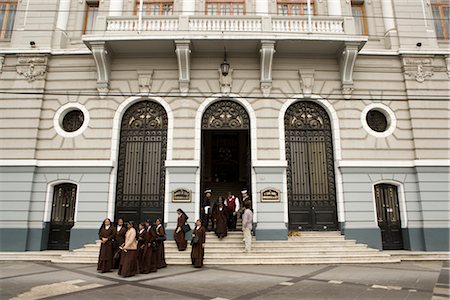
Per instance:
(333,114)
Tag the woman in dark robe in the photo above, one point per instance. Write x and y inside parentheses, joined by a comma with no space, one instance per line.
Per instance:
(150,258)
(128,261)
(198,244)
(141,246)
(220,216)
(179,234)
(119,239)
(105,257)
(160,238)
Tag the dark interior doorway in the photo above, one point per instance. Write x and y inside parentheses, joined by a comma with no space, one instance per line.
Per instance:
(225,154)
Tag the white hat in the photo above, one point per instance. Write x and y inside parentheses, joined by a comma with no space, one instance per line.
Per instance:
(244,191)
(207,191)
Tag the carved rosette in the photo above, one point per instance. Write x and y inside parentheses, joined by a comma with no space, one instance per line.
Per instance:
(225,114)
(32,67)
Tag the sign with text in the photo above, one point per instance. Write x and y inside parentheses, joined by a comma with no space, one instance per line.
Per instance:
(270,195)
(181,195)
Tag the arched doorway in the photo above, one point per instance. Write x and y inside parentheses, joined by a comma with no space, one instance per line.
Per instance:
(225,151)
(310,172)
(140,170)
(63,216)
(388,216)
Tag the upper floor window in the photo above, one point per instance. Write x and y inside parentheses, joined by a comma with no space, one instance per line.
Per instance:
(225,7)
(90,16)
(294,7)
(7,14)
(155,8)
(441,17)
(359,15)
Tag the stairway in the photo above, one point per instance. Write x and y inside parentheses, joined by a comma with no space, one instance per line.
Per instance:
(309,248)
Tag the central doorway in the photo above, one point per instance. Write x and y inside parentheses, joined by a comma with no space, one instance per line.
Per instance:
(225,155)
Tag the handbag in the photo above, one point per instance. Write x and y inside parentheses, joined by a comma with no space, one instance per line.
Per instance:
(186,228)
(194,241)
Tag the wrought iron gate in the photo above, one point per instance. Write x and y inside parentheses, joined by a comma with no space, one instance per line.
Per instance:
(62,219)
(141,170)
(388,214)
(310,172)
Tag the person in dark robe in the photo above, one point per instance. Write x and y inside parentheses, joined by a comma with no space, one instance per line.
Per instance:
(220,216)
(205,208)
(160,238)
(150,255)
(119,239)
(128,260)
(105,257)
(141,246)
(198,244)
(179,234)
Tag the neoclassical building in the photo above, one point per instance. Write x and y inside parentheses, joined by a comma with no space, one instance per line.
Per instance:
(333,114)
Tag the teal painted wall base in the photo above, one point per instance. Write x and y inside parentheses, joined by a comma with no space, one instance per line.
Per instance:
(271,234)
(436,239)
(13,239)
(413,239)
(81,237)
(369,236)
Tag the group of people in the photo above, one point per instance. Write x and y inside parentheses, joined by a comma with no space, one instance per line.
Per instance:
(224,214)
(142,251)
(131,251)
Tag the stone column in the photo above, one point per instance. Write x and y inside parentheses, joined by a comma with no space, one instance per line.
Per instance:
(334,8)
(262,7)
(388,15)
(116,8)
(63,15)
(188,7)
(390,35)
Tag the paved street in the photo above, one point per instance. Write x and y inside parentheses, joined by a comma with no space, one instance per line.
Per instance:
(408,280)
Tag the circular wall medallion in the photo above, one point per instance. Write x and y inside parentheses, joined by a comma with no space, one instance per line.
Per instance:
(71,120)
(378,120)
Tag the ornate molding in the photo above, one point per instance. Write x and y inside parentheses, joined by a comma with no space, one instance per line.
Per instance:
(447,63)
(306,81)
(225,114)
(145,80)
(418,68)
(184,65)
(2,61)
(102,58)
(225,82)
(347,57)
(32,67)
(267,51)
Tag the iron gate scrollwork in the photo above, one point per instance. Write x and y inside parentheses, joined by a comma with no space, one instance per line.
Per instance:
(63,216)
(141,171)
(225,114)
(388,214)
(310,172)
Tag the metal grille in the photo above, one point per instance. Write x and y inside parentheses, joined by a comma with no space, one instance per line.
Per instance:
(62,218)
(227,115)
(73,120)
(141,171)
(376,120)
(310,172)
(388,214)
